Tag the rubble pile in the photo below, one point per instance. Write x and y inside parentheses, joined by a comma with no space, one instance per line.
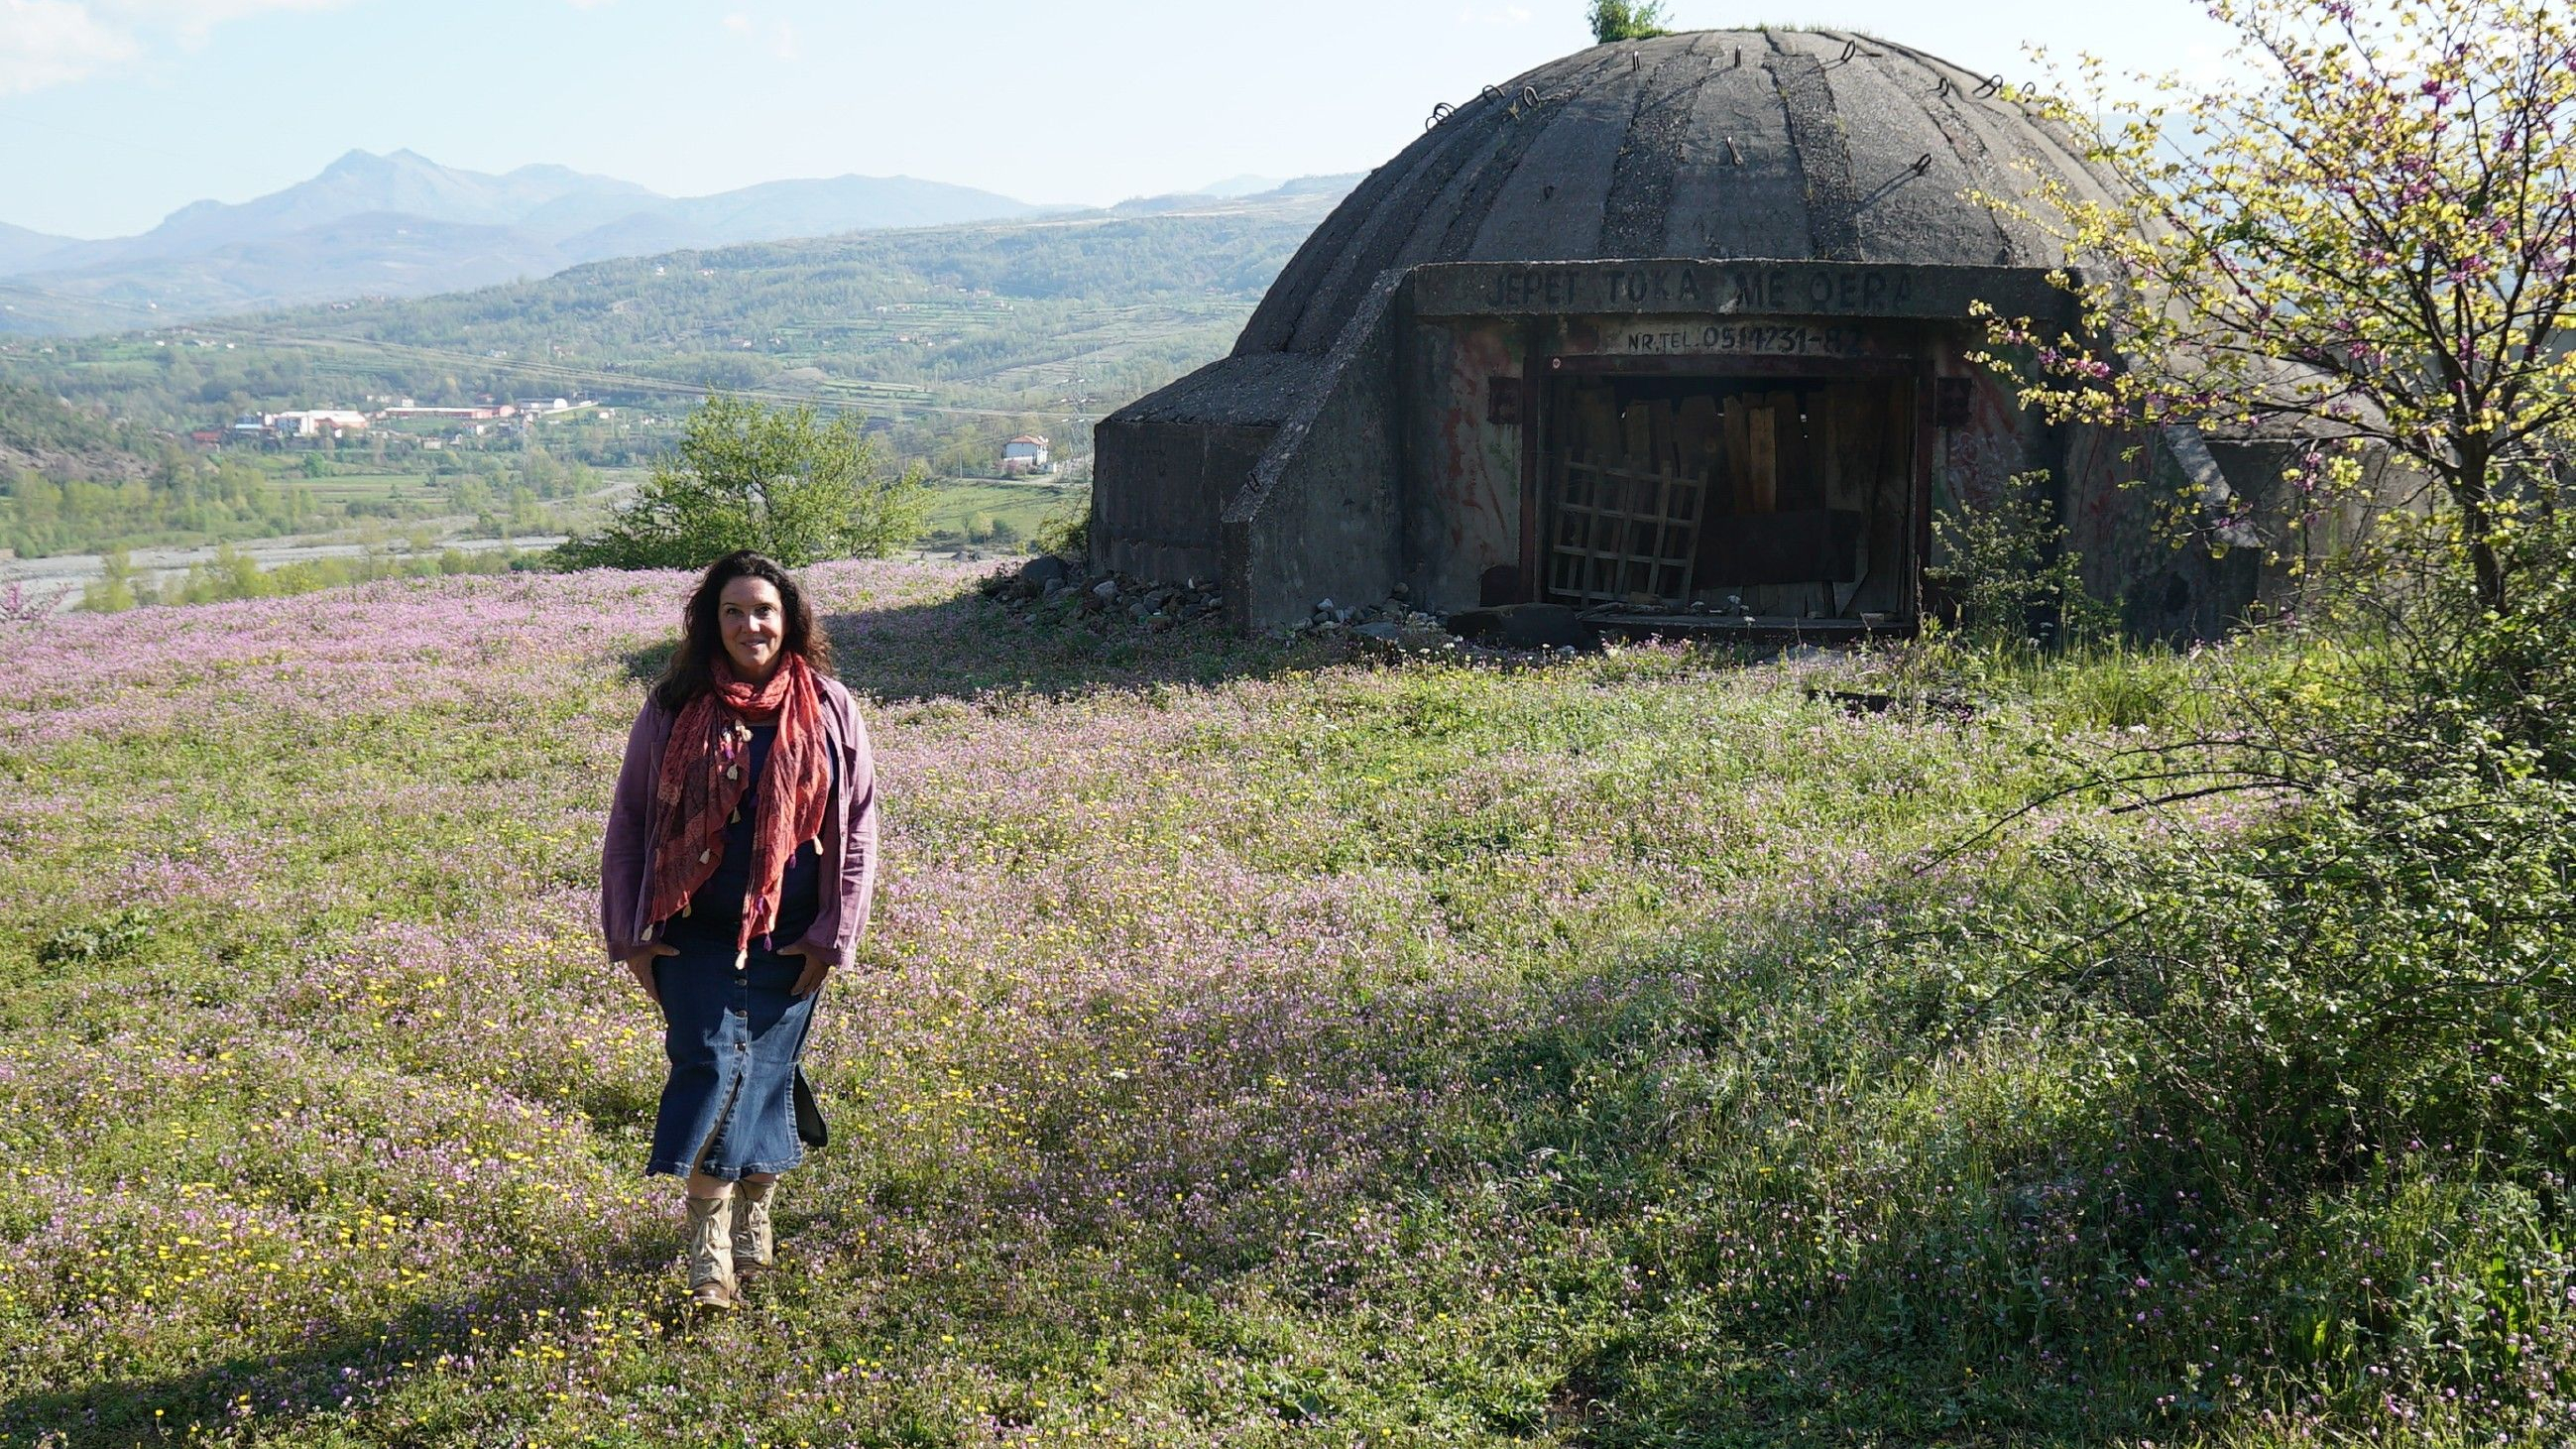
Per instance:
(1054,591)
(1393,620)
(1051,590)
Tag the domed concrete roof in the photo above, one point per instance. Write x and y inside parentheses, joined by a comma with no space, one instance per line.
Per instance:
(1790,144)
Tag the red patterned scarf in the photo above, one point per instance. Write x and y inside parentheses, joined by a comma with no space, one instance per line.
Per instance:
(702,786)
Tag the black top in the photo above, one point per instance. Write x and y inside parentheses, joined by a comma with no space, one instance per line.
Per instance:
(715,910)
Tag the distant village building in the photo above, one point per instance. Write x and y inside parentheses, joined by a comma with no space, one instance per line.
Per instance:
(310,424)
(1026,453)
(317,423)
(469,414)
(1682,328)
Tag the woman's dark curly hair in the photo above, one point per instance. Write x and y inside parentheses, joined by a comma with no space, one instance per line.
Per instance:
(691,671)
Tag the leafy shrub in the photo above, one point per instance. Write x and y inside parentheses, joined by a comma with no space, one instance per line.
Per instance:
(109,938)
(774,480)
(2335,1002)
(2009,572)
(1626,20)
(1067,531)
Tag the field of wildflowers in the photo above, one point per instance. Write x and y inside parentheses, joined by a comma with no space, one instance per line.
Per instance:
(1257,1045)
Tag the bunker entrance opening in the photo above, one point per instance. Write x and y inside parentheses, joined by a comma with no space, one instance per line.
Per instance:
(1786,498)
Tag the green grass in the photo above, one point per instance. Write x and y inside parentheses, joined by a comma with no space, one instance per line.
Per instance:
(957,503)
(1255,1045)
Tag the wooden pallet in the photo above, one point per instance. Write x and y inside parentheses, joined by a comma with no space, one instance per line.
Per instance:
(1620,532)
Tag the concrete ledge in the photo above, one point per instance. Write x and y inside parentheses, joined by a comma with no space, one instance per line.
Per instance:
(1727,288)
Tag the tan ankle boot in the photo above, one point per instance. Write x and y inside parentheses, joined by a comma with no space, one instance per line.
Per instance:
(711,1279)
(751,1238)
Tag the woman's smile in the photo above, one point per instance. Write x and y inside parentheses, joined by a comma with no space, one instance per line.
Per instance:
(749,612)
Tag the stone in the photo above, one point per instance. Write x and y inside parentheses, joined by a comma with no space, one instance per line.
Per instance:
(1380,629)
(1044,571)
(1525,626)
(1105,590)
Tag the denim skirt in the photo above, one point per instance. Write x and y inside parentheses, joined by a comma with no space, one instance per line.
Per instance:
(734,1039)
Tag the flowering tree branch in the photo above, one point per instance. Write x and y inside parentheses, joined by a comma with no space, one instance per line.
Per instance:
(2365,243)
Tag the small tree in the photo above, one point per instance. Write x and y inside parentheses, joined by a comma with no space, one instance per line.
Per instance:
(2366,242)
(771,479)
(1626,20)
(115,590)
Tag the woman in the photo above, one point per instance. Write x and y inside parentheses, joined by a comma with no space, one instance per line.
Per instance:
(735,877)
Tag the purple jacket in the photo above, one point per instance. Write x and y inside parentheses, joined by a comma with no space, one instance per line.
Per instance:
(849,832)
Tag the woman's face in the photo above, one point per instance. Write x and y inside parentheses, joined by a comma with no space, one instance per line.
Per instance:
(753,621)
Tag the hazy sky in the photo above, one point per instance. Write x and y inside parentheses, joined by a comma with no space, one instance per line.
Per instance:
(115,112)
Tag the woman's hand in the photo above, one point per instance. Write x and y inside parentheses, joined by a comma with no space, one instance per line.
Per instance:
(640,965)
(818,965)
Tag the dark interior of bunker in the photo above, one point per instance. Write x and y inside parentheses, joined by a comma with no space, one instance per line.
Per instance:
(1763,495)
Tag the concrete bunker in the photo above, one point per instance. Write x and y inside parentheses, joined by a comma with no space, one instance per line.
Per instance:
(1676,328)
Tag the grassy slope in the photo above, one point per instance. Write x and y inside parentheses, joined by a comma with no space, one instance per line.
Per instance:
(1252,1048)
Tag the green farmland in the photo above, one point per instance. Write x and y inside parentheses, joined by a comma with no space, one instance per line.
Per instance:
(969,509)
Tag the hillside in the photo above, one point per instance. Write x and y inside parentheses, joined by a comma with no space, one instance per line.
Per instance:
(39,434)
(955,337)
(21,248)
(1015,316)
(403,225)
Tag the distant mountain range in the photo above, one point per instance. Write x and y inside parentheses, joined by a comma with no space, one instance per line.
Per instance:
(403,225)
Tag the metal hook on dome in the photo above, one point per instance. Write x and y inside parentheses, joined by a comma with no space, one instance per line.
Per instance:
(1734,153)
(1993,85)
(1739,57)
(1850,49)
(1529,95)
(1942,89)
(1439,112)
(1491,92)
(1636,61)
(1922,164)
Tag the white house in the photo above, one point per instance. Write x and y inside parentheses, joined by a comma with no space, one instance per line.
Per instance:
(318,421)
(1026,453)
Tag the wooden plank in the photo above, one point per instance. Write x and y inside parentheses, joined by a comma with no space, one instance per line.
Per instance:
(1843,416)
(1739,455)
(1795,489)
(1762,461)
(1697,433)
